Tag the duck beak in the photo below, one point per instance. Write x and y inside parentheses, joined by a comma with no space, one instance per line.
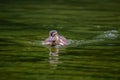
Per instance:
(52,39)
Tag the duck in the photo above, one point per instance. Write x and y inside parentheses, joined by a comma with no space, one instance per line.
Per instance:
(54,39)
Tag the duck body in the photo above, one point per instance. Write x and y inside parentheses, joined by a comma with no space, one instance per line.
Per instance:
(54,39)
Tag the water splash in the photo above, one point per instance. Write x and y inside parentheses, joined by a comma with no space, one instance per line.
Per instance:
(74,43)
(36,43)
(113,34)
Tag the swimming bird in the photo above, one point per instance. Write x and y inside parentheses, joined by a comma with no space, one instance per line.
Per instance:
(55,39)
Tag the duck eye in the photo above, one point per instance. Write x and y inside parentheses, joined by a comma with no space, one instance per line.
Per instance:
(52,34)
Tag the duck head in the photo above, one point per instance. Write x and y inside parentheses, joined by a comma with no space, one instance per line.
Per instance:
(53,37)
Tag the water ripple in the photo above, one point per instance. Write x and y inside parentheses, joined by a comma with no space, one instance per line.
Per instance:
(112,34)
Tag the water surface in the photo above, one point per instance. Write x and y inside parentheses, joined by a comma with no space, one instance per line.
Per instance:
(92,30)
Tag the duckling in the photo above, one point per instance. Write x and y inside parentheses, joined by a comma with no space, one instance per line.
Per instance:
(55,39)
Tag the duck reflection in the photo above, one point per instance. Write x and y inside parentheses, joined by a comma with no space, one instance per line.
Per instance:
(54,57)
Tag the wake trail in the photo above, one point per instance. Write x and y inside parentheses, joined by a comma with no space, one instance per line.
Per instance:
(111,34)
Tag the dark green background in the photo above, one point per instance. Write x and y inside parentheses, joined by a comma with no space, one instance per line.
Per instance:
(92,28)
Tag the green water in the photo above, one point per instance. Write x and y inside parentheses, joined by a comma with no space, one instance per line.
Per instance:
(92,28)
